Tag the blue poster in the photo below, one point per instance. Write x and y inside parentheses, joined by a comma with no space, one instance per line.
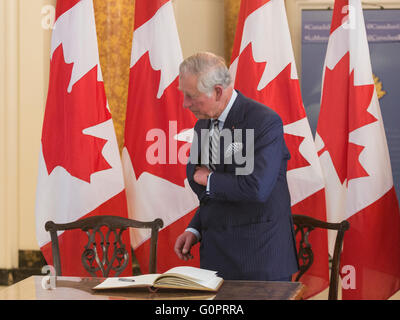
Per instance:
(383,32)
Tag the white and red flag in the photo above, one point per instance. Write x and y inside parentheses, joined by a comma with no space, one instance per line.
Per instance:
(80,171)
(264,68)
(355,161)
(157,131)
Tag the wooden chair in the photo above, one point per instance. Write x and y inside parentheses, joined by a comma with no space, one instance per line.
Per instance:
(109,229)
(304,225)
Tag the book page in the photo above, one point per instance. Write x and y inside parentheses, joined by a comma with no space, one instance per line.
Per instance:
(145,280)
(199,277)
(175,280)
(193,273)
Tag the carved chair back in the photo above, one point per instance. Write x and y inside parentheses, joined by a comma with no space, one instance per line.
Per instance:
(303,226)
(104,235)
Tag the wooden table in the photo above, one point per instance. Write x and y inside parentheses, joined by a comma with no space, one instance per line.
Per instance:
(76,288)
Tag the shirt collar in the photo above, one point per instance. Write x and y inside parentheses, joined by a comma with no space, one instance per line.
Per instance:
(224,114)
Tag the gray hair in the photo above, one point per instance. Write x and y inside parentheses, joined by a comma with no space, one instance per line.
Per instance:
(210,69)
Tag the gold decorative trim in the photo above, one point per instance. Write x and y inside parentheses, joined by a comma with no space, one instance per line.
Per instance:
(378,86)
(231,16)
(114,24)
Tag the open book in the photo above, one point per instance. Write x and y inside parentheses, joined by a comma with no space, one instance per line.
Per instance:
(189,278)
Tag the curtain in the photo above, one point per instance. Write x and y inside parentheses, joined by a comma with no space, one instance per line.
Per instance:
(114,23)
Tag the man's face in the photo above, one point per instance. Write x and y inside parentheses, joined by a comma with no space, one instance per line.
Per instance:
(201,105)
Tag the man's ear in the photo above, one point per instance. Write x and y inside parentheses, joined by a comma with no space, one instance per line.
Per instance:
(218,92)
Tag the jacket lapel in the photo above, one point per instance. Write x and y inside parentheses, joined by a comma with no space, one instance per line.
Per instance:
(236,114)
(203,144)
(233,121)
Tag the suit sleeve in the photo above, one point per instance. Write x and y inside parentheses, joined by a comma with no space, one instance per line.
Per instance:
(193,161)
(198,189)
(195,223)
(269,163)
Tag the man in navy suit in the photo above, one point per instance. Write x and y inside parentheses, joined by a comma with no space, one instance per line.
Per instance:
(244,221)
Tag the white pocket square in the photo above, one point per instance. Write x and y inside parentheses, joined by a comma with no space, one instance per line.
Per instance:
(233,148)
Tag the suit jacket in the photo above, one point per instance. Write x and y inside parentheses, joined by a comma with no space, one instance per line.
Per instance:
(245,221)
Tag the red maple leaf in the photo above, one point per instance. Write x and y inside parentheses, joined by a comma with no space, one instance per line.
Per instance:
(282,94)
(145,114)
(296,159)
(343,110)
(67,115)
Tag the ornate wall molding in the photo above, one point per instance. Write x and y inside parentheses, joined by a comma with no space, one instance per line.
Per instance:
(9,106)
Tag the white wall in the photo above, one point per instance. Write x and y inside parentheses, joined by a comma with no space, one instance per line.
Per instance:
(200,25)
(24,64)
(8,132)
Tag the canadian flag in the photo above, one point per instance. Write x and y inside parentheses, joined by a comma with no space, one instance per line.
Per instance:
(264,69)
(80,171)
(158,132)
(355,161)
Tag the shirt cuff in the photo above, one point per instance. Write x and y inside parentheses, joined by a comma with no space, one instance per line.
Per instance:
(208,184)
(195,232)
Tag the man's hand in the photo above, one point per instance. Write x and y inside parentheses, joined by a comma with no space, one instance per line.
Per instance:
(183,245)
(201,175)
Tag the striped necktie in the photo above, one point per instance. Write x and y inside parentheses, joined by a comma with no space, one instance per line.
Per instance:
(214,144)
